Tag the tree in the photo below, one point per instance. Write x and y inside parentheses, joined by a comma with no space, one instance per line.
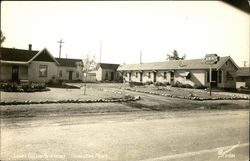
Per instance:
(88,64)
(175,56)
(2,38)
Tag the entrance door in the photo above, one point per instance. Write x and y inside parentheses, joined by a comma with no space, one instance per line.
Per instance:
(112,76)
(70,75)
(154,77)
(172,78)
(141,76)
(15,71)
(214,79)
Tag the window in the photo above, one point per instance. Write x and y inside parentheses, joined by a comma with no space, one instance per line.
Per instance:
(165,75)
(77,74)
(60,73)
(229,76)
(149,75)
(136,75)
(43,70)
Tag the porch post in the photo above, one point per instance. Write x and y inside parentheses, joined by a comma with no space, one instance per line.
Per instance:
(210,80)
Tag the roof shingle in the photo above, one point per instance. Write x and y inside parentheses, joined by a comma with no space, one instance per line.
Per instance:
(67,62)
(12,54)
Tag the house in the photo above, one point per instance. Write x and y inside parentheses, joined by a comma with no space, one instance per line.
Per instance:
(243,77)
(69,69)
(105,71)
(36,66)
(193,72)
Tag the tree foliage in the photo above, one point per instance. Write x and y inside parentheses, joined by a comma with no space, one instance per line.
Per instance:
(88,64)
(175,56)
(2,38)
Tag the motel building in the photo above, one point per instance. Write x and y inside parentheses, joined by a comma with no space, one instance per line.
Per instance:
(36,66)
(194,72)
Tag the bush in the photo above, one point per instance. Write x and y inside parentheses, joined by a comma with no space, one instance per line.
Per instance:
(158,84)
(166,83)
(31,87)
(148,83)
(199,87)
(181,85)
(132,84)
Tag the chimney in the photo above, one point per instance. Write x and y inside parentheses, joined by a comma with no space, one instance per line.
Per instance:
(30,47)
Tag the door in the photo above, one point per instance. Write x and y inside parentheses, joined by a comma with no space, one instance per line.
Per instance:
(15,73)
(172,78)
(70,75)
(112,76)
(214,78)
(140,76)
(154,77)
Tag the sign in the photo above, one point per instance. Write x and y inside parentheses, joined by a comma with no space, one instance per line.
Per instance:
(211,59)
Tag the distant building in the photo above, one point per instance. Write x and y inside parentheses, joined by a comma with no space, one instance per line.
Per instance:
(36,66)
(243,77)
(193,72)
(107,72)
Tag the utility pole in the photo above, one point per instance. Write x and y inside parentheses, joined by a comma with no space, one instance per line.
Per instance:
(101,51)
(245,63)
(60,42)
(140,56)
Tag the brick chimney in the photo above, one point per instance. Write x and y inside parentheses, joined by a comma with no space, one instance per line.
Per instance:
(30,47)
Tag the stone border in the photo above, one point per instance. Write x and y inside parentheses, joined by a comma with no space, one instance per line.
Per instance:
(190,97)
(126,99)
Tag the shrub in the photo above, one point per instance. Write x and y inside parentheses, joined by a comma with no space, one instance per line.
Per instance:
(132,84)
(199,87)
(166,83)
(148,83)
(158,84)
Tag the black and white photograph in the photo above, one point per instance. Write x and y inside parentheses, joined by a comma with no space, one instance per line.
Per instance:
(125,80)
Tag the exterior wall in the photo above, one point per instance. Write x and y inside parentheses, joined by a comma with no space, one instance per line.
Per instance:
(23,73)
(33,71)
(225,82)
(65,73)
(101,74)
(198,77)
(6,72)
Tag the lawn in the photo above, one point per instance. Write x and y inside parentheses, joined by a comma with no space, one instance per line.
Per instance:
(58,94)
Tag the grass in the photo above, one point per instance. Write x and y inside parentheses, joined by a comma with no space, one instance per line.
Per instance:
(58,94)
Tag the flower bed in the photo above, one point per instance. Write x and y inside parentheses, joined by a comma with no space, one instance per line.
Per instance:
(125,99)
(31,87)
(191,96)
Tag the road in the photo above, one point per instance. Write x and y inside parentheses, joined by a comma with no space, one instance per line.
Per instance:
(135,136)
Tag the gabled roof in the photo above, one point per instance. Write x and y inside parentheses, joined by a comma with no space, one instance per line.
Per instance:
(244,71)
(175,64)
(43,51)
(107,66)
(19,55)
(68,62)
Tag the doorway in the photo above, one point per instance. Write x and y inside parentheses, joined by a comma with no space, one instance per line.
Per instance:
(15,73)
(140,76)
(214,79)
(112,76)
(70,75)
(154,76)
(172,78)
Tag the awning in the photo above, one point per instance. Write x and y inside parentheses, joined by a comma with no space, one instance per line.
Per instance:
(184,74)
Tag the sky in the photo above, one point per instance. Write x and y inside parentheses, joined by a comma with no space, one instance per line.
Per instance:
(121,30)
